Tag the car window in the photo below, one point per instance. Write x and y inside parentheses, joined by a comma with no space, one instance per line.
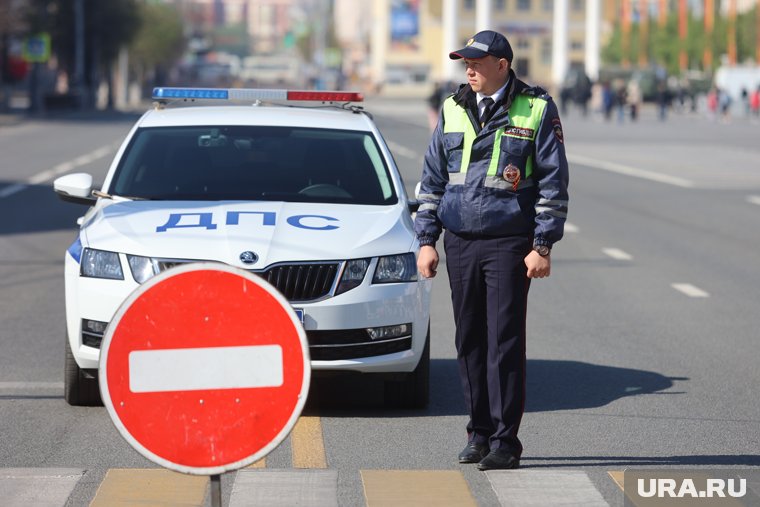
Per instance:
(254,163)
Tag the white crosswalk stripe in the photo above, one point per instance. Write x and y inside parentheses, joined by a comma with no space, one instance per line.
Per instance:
(254,487)
(539,488)
(284,488)
(38,487)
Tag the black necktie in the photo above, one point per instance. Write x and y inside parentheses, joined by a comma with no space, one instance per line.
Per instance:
(488,106)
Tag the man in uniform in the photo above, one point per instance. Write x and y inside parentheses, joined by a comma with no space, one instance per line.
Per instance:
(495,177)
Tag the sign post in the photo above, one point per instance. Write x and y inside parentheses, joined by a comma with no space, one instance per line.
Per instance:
(204,369)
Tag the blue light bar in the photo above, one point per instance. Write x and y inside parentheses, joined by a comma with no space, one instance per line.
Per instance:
(190,93)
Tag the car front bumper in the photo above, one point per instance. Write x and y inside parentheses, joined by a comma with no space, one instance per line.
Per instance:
(336,326)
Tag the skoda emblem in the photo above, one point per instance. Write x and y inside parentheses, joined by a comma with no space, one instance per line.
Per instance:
(249,257)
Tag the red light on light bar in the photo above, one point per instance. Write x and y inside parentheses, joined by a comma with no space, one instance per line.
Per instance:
(326,96)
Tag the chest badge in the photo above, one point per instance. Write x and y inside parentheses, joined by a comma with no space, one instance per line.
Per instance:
(512,175)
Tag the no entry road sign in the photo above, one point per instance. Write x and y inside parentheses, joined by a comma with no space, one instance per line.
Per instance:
(204,368)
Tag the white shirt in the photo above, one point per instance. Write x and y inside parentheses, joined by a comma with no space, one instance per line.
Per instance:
(496,98)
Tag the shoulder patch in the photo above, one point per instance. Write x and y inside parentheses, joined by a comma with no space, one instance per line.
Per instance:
(557,127)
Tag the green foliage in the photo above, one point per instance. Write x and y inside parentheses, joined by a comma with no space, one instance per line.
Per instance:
(160,40)
(108,26)
(664,44)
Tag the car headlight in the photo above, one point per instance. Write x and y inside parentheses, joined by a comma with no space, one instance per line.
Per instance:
(101,264)
(142,268)
(396,268)
(353,274)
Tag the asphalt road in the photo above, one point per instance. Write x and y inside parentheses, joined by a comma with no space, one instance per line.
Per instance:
(642,345)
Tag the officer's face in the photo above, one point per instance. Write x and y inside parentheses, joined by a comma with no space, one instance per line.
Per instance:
(486,75)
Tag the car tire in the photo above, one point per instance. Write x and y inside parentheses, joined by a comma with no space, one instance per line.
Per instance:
(80,388)
(413,391)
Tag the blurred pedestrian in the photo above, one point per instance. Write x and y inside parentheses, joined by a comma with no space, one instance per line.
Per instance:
(495,178)
(724,103)
(712,102)
(620,99)
(608,100)
(663,100)
(633,97)
(754,102)
(745,101)
(434,105)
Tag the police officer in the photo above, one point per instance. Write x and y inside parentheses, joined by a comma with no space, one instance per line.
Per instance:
(495,177)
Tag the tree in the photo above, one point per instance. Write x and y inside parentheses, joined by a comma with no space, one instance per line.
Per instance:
(664,43)
(108,26)
(160,41)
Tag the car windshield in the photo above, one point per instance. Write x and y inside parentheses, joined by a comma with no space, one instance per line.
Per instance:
(254,163)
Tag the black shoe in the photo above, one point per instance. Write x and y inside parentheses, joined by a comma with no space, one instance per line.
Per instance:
(499,459)
(473,452)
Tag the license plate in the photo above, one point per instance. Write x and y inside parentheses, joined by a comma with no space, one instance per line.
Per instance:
(299,314)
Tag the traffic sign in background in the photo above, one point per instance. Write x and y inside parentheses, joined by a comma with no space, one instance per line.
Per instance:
(36,48)
(204,368)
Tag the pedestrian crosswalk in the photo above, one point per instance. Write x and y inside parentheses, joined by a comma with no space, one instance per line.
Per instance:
(317,487)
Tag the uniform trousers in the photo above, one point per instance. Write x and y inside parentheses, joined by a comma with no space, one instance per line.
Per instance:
(489,293)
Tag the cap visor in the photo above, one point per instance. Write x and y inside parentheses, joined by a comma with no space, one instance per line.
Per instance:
(468,52)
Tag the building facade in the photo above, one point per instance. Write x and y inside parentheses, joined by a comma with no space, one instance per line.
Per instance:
(408,35)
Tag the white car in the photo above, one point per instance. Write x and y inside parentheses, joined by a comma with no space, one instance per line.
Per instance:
(309,198)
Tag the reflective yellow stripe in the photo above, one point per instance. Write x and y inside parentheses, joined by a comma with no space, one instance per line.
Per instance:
(525,112)
(493,167)
(456,120)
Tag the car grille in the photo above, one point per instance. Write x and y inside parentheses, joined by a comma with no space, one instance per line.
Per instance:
(297,282)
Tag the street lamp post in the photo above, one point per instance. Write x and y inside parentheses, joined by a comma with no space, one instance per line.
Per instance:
(79,82)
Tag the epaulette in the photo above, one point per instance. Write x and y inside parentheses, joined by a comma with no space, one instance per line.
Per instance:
(536,91)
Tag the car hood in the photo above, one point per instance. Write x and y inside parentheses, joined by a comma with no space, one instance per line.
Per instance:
(274,231)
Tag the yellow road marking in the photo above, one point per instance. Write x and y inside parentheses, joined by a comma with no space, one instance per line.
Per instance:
(411,488)
(617,476)
(156,487)
(307,443)
(262,463)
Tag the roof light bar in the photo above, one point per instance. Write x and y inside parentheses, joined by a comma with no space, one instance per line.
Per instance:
(253,94)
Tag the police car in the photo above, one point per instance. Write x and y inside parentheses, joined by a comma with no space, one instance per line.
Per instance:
(296,187)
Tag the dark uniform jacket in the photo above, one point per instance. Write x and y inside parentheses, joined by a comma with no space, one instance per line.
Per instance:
(480,204)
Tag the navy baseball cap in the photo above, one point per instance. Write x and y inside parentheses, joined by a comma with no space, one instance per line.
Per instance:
(483,44)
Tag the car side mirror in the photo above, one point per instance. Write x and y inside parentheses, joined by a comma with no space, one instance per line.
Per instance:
(414,204)
(76,188)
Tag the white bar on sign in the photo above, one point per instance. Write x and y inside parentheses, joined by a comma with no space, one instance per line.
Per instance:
(153,371)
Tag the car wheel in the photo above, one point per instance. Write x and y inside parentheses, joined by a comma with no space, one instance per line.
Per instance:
(80,387)
(414,391)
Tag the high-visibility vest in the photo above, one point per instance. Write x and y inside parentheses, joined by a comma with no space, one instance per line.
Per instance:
(525,115)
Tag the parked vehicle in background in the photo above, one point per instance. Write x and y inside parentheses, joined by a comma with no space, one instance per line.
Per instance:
(734,80)
(279,70)
(576,88)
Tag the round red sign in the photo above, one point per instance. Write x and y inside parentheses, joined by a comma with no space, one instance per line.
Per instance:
(204,368)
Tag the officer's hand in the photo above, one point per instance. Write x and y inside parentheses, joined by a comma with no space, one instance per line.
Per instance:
(427,261)
(538,267)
